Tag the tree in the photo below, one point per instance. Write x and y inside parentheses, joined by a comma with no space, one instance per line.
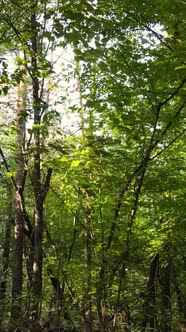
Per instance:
(100,206)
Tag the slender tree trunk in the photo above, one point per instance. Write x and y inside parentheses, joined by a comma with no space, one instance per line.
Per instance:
(181,303)
(78,82)
(40,189)
(101,309)
(165,298)
(5,260)
(5,267)
(28,253)
(36,286)
(101,283)
(17,260)
(149,303)
(18,205)
(87,318)
(87,310)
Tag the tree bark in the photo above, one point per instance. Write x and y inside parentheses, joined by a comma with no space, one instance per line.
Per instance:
(87,298)
(181,303)
(5,267)
(36,287)
(165,298)
(149,303)
(18,205)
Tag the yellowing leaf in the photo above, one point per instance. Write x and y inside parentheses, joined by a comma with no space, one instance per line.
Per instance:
(64,158)
(75,163)
(8,174)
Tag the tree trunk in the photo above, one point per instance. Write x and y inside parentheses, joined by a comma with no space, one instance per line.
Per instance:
(87,298)
(5,267)
(40,190)
(18,205)
(181,303)
(165,298)
(149,304)
(36,287)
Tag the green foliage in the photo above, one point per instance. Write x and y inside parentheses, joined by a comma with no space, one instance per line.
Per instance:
(117,193)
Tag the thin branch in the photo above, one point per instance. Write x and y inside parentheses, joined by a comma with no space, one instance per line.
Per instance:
(162,103)
(158,35)
(7,168)
(158,140)
(47,183)
(119,204)
(168,146)
(125,188)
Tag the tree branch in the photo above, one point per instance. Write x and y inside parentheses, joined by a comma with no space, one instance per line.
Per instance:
(47,183)
(7,168)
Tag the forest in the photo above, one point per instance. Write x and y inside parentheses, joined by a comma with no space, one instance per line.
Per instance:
(92,166)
